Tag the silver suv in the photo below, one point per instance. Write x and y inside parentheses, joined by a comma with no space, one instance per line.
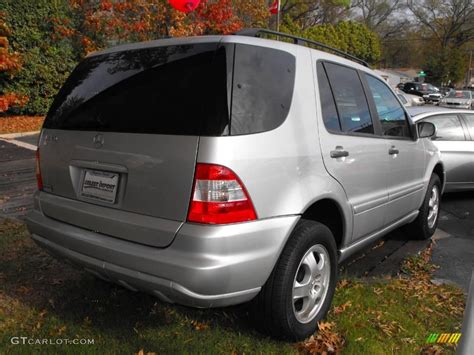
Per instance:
(211,171)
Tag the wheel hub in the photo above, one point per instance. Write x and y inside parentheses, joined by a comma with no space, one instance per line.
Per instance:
(311,283)
(433,207)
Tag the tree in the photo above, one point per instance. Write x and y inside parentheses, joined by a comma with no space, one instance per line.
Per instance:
(380,15)
(448,25)
(10,63)
(446,66)
(451,22)
(47,59)
(308,13)
(104,23)
(349,36)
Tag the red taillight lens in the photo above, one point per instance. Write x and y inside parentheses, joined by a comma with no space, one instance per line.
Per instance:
(219,197)
(39,179)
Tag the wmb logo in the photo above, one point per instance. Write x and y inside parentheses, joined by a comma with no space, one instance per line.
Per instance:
(452,338)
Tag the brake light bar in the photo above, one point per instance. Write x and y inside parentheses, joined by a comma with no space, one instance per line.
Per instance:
(39,178)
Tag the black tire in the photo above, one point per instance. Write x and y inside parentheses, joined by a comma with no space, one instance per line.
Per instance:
(273,308)
(420,228)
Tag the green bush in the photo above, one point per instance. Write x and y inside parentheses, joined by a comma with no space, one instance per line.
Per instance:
(46,62)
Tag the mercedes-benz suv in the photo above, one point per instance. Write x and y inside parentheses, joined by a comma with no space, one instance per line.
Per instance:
(212,171)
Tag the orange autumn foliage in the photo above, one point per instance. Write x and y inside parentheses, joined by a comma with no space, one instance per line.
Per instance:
(108,22)
(9,64)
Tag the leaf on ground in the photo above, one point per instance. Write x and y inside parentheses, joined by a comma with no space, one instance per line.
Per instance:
(325,341)
(18,124)
(142,352)
(378,291)
(199,326)
(342,283)
(432,350)
(342,307)
(378,245)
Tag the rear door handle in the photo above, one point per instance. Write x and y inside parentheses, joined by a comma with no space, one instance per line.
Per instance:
(339,153)
(393,151)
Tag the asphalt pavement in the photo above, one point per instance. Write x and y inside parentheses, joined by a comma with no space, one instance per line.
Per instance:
(454,240)
(454,252)
(31,139)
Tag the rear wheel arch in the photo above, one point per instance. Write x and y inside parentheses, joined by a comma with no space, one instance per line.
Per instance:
(328,212)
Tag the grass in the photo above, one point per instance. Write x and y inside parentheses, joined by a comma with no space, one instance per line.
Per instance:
(42,298)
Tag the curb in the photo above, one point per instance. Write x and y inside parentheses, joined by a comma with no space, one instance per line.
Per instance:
(19,143)
(17,135)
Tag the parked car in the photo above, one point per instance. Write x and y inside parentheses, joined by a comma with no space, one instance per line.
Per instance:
(211,171)
(410,100)
(400,86)
(458,99)
(429,92)
(455,139)
(445,90)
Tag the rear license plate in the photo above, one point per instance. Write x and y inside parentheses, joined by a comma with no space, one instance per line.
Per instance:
(100,185)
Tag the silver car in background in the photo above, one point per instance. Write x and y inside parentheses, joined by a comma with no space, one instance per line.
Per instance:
(459,99)
(210,171)
(455,139)
(409,100)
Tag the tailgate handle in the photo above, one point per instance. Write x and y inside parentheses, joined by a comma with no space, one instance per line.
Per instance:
(339,152)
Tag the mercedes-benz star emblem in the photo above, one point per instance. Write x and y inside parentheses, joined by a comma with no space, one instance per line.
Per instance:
(98,140)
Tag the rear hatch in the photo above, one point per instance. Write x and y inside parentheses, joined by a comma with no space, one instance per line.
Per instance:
(118,148)
(123,135)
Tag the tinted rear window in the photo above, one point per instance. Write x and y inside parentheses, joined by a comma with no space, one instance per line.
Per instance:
(202,89)
(263,88)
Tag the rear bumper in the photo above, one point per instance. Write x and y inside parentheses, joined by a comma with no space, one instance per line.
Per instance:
(205,266)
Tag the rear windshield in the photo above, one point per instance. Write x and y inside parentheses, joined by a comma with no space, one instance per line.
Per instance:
(202,89)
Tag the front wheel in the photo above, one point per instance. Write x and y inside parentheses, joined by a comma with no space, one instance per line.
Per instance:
(300,289)
(427,221)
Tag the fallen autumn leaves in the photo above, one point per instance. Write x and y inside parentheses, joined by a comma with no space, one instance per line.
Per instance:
(19,124)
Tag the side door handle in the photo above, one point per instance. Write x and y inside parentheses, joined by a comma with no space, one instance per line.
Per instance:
(393,151)
(339,153)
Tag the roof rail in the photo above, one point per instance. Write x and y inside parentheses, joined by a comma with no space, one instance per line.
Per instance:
(255,32)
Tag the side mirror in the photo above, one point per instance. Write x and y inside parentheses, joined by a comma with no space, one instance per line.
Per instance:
(426,130)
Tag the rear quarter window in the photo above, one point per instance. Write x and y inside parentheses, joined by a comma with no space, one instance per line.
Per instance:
(264,79)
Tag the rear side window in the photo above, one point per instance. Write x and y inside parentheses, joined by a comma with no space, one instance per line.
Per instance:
(328,106)
(262,90)
(448,127)
(391,114)
(189,89)
(354,114)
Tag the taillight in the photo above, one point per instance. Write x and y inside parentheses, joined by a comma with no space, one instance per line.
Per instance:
(219,197)
(39,179)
